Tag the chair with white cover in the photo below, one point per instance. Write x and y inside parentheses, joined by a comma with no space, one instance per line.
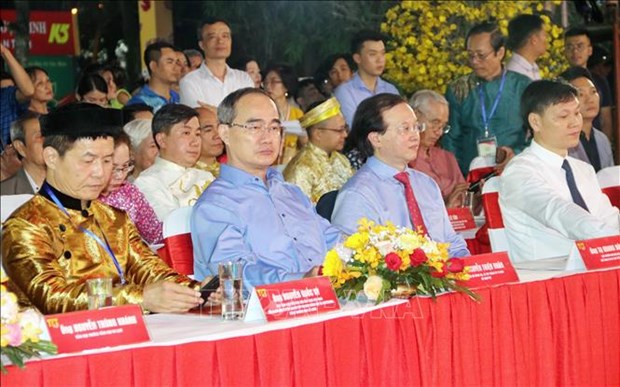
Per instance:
(479,167)
(493,213)
(178,251)
(609,181)
(10,203)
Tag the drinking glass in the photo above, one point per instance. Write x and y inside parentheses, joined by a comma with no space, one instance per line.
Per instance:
(99,292)
(231,282)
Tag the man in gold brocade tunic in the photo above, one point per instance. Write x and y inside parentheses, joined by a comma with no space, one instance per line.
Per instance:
(63,236)
(320,167)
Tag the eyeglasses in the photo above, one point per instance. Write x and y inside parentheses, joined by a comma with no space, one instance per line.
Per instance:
(409,129)
(437,125)
(256,129)
(471,56)
(272,82)
(576,47)
(122,171)
(343,130)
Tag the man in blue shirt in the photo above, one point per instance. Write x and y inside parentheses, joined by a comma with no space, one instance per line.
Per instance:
(368,50)
(161,61)
(387,132)
(249,213)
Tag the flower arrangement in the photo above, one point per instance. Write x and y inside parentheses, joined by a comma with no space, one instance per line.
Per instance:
(20,337)
(386,261)
(427,39)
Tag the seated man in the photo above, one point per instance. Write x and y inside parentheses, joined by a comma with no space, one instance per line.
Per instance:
(28,143)
(385,189)
(172,182)
(249,213)
(63,236)
(212,145)
(549,199)
(319,167)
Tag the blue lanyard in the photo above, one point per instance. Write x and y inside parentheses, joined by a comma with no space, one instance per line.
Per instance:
(106,245)
(485,119)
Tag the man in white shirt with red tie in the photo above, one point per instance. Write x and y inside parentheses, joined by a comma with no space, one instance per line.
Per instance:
(549,199)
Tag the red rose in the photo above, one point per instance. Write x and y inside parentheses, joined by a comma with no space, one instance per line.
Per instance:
(393,261)
(439,274)
(418,257)
(455,265)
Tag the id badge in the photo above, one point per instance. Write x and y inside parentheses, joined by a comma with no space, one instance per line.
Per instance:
(487,146)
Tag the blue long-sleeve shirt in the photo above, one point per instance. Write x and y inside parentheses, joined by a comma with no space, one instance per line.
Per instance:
(375,194)
(273,229)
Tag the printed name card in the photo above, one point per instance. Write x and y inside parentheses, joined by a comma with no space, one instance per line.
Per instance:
(292,299)
(90,329)
(598,253)
(490,269)
(461,218)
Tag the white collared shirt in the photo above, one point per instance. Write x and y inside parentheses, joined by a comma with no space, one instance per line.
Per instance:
(521,65)
(201,85)
(168,186)
(35,187)
(540,217)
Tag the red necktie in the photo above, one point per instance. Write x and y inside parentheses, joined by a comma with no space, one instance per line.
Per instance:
(414,211)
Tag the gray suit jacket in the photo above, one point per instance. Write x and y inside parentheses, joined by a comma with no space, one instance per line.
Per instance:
(17,184)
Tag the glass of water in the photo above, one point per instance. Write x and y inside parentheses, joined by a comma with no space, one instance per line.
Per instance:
(99,292)
(231,282)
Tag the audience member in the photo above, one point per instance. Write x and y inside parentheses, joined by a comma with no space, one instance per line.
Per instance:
(214,79)
(308,94)
(527,39)
(593,147)
(250,66)
(92,88)
(385,189)
(139,111)
(182,64)
(28,143)
(212,145)
(549,199)
(143,147)
(118,97)
(172,182)
(368,48)
(482,113)
(578,48)
(121,194)
(12,96)
(161,61)
(195,58)
(249,213)
(319,167)
(43,91)
(49,246)
(432,111)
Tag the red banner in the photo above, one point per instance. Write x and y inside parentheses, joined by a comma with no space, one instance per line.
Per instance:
(51,32)
(89,329)
(600,253)
(461,218)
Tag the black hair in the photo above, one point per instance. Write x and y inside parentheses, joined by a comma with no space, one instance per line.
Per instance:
(152,53)
(32,71)
(368,118)
(577,31)
(129,111)
(91,82)
(363,36)
(286,73)
(576,72)
(521,27)
(169,115)
(539,95)
(207,22)
(242,62)
(497,39)
(227,109)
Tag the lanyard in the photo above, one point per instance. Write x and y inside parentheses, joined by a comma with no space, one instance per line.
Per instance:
(106,245)
(485,119)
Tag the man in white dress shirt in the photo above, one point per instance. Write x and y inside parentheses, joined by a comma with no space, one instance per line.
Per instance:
(214,79)
(172,182)
(528,41)
(549,199)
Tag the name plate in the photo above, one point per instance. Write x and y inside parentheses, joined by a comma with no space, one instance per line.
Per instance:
(461,218)
(598,253)
(292,299)
(489,269)
(91,329)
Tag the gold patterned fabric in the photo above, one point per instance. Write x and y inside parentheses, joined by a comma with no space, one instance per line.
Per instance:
(213,168)
(316,172)
(320,113)
(49,259)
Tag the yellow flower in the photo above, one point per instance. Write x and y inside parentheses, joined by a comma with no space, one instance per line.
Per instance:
(332,266)
(356,241)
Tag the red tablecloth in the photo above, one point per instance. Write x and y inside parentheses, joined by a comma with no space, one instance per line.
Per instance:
(563,331)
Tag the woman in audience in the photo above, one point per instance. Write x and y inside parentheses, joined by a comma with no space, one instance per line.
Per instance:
(125,196)
(144,149)
(92,88)
(250,66)
(118,97)
(334,71)
(594,147)
(43,91)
